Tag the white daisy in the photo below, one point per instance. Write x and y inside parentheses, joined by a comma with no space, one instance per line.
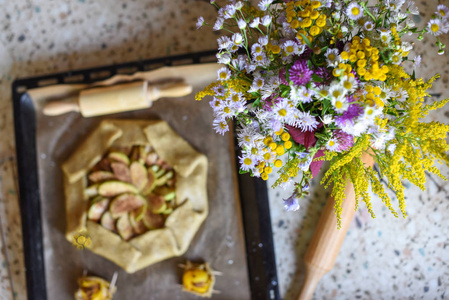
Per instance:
(386,93)
(215,103)
(281,111)
(369,26)
(254,23)
(228,11)
(247,163)
(199,22)
(379,141)
(308,122)
(349,83)
(224,43)
(263,4)
(417,61)
(241,23)
(290,48)
(266,20)
(327,119)
(225,110)
(292,103)
(263,40)
(306,94)
(332,144)
(241,62)
(442,11)
(218,24)
(340,104)
(412,8)
(224,58)
(391,148)
(322,92)
(220,126)
(245,136)
(406,46)
(257,84)
(295,93)
(336,90)
(238,103)
(371,112)
(256,49)
(396,58)
(233,48)
(238,5)
(354,11)
(394,5)
(410,24)
(331,57)
(385,36)
(261,60)
(266,90)
(237,38)
(219,90)
(437,27)
(359,127)
(223,74)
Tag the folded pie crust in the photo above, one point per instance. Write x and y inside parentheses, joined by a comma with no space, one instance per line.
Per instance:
(191,193)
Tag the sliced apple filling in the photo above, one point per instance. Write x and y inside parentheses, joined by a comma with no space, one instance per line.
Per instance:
(131,191)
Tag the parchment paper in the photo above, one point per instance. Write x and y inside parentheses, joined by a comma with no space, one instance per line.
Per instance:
(219,240)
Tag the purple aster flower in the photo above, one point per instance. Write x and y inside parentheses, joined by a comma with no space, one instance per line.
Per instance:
(292,202)
(354,110)
(300,73)
(345,140)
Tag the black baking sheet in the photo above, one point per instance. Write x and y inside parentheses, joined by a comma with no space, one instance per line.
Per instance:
(253,194)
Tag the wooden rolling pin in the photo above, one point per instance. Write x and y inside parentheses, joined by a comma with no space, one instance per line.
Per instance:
(117,98)
(327,239)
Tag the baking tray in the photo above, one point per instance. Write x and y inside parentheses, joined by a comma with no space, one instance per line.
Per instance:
(256,219)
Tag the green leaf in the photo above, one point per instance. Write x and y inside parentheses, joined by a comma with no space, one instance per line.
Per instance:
(287,75)
(317,78)
(256,103)
(321,136)
(326,105)
(306,40)
(309,64)
(413,75)
(242,172)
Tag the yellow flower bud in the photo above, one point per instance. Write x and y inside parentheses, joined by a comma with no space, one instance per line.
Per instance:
(285,136)
(278,163)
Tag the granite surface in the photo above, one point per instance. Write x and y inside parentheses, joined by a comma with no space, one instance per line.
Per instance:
(385,258)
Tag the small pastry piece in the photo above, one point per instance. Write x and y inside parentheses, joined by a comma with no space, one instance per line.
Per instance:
(198,279)
(94,288)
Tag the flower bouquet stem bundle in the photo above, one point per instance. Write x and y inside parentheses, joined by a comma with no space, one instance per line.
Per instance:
(309,81)
(313,81)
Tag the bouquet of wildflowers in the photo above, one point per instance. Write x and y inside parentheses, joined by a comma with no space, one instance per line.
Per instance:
(308,81)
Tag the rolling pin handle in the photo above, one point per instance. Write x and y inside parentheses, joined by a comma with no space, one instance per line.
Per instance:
(179,89)
(57,108)
(311,280)
(327,239)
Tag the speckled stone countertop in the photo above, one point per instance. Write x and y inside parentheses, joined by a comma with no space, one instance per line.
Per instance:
(385,258)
